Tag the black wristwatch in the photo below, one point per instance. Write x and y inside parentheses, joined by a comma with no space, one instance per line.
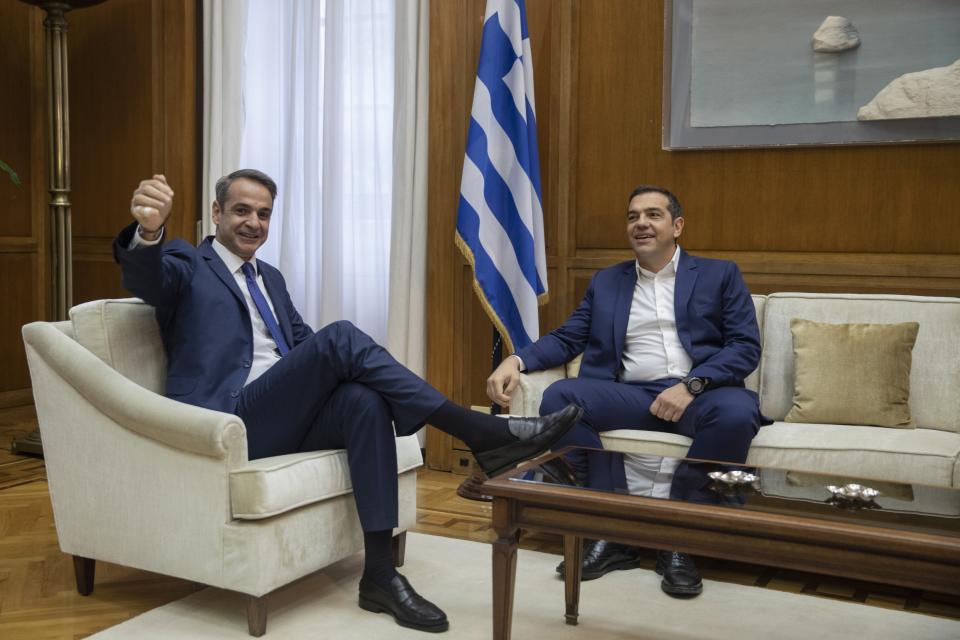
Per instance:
(695,385)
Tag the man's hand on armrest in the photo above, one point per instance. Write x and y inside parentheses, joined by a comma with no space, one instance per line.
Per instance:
(504,380)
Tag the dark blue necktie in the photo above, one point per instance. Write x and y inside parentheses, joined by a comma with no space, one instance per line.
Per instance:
(264,308)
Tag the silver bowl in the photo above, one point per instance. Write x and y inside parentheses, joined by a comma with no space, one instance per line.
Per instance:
(853,491)
(733,477)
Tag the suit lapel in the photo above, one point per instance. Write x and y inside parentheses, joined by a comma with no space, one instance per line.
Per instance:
(683,289)
(216,264)
(621,309)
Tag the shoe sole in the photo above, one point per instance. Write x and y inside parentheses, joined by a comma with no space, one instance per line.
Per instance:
(681,591)
(620,566)
(375,607)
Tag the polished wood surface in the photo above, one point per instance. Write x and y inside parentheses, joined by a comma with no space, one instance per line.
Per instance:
(878,219)
(133,112)
(504,568)
(811,541)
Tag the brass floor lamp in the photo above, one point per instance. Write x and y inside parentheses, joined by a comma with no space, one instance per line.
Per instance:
(55,36)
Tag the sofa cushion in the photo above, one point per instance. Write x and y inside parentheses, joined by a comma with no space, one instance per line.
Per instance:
(852,373)
(124,334)
(271,486)
(925,456)
(934,375)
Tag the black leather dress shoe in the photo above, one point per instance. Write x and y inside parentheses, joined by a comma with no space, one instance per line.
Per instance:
(534,436)
(601,557)
(408,607)
(680,575)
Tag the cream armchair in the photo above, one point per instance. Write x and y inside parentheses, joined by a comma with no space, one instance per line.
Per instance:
(140,480)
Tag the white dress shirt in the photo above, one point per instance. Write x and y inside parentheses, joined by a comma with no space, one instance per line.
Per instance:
(652,349)
(265,353)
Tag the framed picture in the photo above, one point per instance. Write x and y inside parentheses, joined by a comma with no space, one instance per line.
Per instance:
(744,73)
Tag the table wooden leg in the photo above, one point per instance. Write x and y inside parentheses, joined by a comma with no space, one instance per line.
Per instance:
(573,564)
(504,571)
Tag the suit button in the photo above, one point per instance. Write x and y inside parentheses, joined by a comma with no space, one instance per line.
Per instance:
(246,364)
(234,394)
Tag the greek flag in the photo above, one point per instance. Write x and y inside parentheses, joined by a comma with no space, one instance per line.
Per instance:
(500,216)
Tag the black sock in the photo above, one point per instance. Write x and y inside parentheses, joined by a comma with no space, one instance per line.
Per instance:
(378,564)
(480,431)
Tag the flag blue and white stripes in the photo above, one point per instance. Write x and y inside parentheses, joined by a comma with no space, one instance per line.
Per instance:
(500,216)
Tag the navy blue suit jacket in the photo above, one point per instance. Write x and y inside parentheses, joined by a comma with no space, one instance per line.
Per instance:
(716,321)
(204,320)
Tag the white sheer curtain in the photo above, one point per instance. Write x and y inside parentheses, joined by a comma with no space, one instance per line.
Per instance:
(223,29)
(408,252)
(318,100)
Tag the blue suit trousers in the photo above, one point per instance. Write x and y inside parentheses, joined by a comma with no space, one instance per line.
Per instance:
(340,390)
(721,421)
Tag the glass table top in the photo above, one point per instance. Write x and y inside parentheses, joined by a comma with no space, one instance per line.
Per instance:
(911,507)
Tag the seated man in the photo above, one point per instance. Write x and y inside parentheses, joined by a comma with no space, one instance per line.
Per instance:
(667,340)
(235,343)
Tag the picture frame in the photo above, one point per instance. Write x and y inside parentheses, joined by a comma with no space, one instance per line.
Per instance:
(679,104)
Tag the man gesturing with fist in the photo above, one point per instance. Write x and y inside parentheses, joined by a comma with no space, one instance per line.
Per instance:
(235,343)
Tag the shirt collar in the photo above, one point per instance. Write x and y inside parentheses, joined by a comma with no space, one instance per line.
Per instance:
(232,260)
(668,269)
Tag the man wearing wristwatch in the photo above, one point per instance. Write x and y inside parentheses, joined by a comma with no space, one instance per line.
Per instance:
(667,341)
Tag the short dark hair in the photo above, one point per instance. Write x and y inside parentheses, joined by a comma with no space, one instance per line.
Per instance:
(223,184)
(673,205)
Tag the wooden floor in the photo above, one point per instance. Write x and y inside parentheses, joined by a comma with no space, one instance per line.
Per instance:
(38,598)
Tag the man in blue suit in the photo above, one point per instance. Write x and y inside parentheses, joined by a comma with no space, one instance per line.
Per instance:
(235,343)
(667,341)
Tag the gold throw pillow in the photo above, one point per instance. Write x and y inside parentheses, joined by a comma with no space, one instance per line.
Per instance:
(852,373)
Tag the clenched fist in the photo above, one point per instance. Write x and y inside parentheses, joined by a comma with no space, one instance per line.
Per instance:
(150,205)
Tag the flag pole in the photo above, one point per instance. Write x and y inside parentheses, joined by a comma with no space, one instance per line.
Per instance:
(495,358)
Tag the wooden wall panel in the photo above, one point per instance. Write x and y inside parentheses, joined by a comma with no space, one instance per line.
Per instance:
(23,250)
(133,104)
(837,219)
(133,112)
(19,291)
(15,79)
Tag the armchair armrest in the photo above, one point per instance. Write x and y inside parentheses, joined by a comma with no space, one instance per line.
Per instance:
(51,355)
(528,394)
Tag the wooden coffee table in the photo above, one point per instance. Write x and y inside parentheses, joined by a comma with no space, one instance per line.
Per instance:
(907,536)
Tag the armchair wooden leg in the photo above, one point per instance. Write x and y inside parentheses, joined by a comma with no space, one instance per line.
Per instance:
(257,615)
(83,570)
(399,548)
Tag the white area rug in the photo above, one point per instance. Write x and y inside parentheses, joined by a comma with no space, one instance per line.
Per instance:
(456,575)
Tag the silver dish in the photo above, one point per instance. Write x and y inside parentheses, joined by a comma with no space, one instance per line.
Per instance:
(733,477)
(853,491)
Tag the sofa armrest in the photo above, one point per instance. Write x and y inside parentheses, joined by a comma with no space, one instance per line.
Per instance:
(528,394)
(54,359)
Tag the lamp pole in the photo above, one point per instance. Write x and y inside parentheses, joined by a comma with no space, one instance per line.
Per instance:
(58,112)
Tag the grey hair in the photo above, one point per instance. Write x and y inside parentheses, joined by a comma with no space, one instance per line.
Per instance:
(223,184)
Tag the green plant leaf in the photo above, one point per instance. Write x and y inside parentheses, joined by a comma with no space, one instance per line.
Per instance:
(14,178)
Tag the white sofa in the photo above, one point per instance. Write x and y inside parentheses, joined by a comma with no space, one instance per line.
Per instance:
(144,481)
(928,454)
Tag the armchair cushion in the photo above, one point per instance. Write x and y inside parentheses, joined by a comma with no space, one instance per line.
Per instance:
(270,486)
(124,334)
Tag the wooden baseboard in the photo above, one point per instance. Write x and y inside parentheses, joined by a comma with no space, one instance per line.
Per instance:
(16,398)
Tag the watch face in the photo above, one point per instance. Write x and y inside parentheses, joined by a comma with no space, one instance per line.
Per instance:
(695,385)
